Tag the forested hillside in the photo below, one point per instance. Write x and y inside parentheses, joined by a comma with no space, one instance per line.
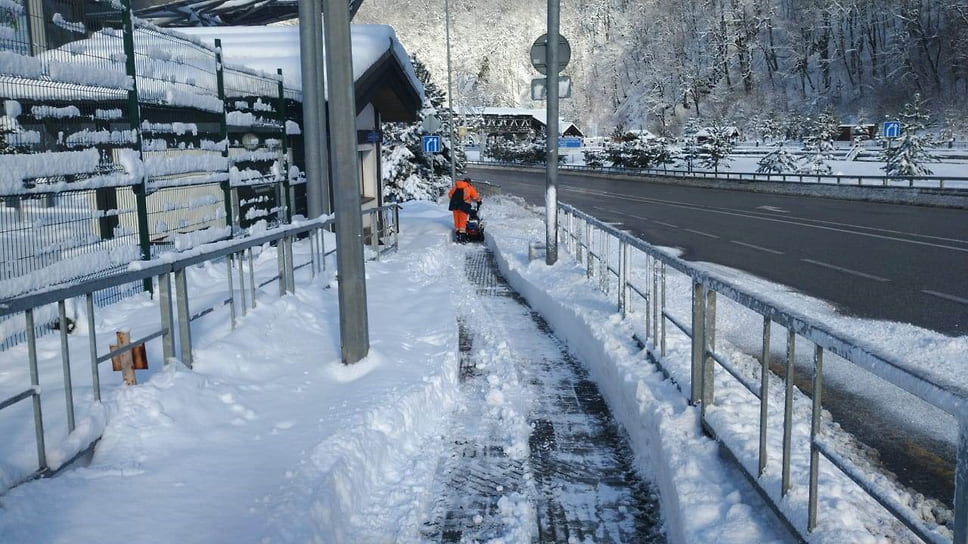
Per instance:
(655,63)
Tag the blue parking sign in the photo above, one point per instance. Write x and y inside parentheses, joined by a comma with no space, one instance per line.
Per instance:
(892,129)
(431,144)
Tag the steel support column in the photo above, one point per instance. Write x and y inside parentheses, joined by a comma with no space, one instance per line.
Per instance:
(354,327)
(551,187)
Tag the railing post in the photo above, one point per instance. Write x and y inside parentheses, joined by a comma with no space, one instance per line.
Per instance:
(661,314)
(229,272)
(788,411)
(625,254)
(604,276)
(184,317)
(92,346)
(240,256)
(290,268)
(252,276)
(589,271)
(764,392)
(322,245)
(66,364)
(375,225)
(709,347)
(396,227)
(814,431)
(578,245)
(961,483)
(281,265)
(167,318)
(698,321)
(35,384)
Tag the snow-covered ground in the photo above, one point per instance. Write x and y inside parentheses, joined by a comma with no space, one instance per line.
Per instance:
(271,439)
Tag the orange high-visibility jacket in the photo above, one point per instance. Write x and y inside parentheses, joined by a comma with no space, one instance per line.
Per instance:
(470,194)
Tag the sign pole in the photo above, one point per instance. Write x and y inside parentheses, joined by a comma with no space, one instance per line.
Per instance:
(450,99)
(551,188)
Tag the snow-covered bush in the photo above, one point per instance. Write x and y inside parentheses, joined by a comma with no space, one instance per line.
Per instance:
(519,152)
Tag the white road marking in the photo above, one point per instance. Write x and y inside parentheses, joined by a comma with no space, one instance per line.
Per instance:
(845,270)
(701,233)
(945,296)
(772,209)
(761,248)
(670,225)
(797,221)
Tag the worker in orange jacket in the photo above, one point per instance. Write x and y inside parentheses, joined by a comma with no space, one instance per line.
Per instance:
(462,194)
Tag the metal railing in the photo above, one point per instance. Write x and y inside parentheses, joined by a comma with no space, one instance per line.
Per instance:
(608,253)
(176,308)
(936,182)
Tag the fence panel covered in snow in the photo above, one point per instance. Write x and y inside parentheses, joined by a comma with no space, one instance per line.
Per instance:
(119,140)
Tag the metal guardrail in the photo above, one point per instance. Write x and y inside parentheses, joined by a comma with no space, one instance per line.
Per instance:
(596,245)
(937,182)
(176,321)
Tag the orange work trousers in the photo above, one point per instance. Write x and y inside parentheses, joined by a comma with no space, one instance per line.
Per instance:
(460,220)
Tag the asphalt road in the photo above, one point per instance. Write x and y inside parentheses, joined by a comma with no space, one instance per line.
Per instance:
(871,260)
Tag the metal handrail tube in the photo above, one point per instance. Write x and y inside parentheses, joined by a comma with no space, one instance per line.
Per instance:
(681,326)
(130,346)
(743,380)
(27,393)
(948,398)
(896,509)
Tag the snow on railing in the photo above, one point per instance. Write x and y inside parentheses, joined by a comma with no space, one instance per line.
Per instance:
(787,471)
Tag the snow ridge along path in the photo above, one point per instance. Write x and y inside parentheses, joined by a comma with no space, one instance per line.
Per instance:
(534,453)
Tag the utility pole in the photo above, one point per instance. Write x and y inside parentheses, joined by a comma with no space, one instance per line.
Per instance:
(551,187)
(450,94)
(353,325)
(314,108)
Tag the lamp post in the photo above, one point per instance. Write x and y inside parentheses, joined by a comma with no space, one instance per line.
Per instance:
(450,94)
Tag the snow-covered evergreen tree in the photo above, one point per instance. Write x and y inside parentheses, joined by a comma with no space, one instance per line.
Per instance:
(718,145)
(819,144)
(778,161)
(409,173)
(907,156)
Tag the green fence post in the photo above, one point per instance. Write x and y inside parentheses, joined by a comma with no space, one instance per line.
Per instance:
(284,153)
(134,119)
(224,134)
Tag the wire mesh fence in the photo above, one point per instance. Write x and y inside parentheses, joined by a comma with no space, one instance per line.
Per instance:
(120,140)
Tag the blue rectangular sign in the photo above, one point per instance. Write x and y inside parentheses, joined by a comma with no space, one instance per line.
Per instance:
(431,144)
(569,141)
(892,129)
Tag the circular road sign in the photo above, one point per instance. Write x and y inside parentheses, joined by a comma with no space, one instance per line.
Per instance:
(539,53)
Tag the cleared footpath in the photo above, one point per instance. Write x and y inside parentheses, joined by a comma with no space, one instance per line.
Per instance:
(535,453)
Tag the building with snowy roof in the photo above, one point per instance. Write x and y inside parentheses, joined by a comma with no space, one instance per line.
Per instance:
(513,124)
